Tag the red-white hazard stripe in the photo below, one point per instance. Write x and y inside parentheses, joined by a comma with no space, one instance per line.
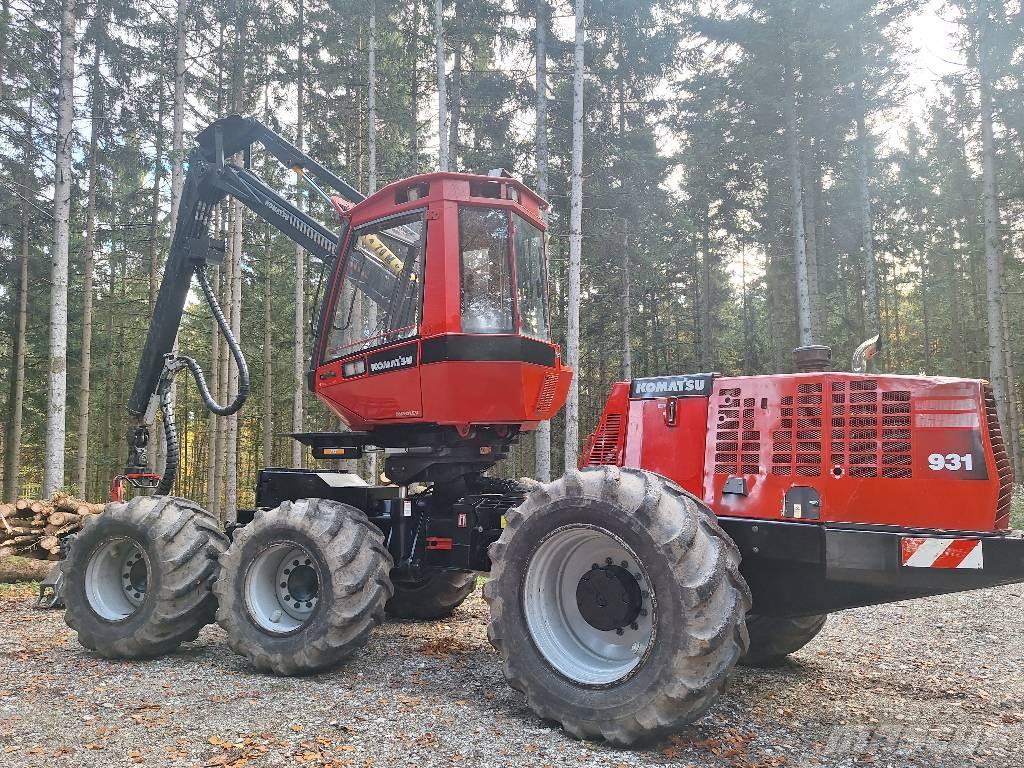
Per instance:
(921,552)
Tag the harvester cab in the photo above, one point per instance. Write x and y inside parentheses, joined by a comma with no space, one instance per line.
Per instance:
(435,319)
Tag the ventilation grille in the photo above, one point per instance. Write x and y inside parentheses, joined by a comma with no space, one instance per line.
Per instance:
(1003,465)
(796,445)
(870,432)
(547,395)
(607,441)
(737,442)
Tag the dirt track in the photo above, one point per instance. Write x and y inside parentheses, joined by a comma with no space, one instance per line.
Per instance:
(936,683)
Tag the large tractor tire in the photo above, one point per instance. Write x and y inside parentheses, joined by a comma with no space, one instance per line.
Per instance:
(617,604)
(773,639)
(434,597)
(138,578)
(302,586)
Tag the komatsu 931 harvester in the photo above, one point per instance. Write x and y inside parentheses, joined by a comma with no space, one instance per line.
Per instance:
(713,520)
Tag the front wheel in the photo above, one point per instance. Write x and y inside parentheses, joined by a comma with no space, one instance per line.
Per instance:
(302,586)
(138,578)
(617,604)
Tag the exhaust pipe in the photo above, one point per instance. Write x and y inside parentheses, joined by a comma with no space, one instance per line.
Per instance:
(864,353)
(814,358)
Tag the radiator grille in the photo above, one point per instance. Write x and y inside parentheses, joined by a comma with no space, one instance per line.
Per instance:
(737,443)
(796,446)
(1003,465)
(607,441)
(871,435)
(547,395)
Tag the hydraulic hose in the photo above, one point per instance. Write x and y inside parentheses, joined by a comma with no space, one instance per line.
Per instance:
(175,363)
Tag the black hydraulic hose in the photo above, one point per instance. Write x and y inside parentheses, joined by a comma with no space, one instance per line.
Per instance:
(236,353)
(171,435)
(174,363)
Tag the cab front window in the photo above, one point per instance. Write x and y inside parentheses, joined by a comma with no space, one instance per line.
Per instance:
(486,300)
(380,297)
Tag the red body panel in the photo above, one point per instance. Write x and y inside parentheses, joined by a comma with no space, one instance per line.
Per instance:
(499,383)
(908,451)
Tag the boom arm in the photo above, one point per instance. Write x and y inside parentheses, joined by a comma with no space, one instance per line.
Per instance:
(209,181)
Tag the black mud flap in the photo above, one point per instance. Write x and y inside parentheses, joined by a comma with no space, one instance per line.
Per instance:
(805,568)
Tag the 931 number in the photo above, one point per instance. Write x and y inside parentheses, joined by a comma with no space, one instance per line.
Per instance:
(952,462)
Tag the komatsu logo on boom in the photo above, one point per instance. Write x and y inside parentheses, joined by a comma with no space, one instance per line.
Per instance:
(696,385)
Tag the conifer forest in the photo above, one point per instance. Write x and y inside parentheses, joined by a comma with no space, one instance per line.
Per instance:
(728,181)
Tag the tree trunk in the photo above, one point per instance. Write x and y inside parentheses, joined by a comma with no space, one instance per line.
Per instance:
(300,268)
(442,89)
(82,473)
(268,352)
(707,350)
(926,319)
(1001,387)
(542,437)
(235,286)
(5,22)
(455,99)
(213,472)
(16,403)
(572,406)
(371,106)
(414,95)
(53,469)
(154,253)
(870,266)
(809,166)
(268,317)
(803,292)
(371,144)
(235,315)
(627,307)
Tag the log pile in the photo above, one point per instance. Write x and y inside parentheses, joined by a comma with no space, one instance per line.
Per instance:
(33,528)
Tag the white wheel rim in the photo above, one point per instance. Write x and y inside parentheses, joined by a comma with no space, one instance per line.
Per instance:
(571,644)
(116,579)
(282,587)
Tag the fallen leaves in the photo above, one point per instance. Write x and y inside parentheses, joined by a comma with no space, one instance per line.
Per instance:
(732,746)
(445,646)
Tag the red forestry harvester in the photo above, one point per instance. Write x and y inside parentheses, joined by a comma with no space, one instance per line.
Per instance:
(714,520)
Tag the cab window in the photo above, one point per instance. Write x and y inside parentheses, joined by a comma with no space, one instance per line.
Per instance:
(487,305)
(380,297)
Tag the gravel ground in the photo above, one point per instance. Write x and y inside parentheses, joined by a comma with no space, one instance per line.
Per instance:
(934,683)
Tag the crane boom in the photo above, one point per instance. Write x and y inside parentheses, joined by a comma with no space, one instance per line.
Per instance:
(211,179)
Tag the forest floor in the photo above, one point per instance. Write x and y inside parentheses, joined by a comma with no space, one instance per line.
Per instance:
(933,683)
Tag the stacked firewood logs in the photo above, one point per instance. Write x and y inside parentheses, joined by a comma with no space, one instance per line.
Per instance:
(33,528)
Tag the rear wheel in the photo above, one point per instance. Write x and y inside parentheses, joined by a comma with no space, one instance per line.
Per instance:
(434,597)
(772,638)
(138,579)
(616,604)
(302,586)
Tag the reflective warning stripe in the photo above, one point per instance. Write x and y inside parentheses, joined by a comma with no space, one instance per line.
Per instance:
(920,552)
